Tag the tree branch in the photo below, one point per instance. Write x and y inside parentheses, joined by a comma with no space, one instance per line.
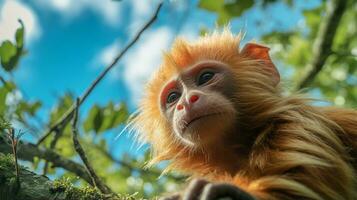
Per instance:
(96,181)
(68,115)
(324,40)
(28,151)
(38,187)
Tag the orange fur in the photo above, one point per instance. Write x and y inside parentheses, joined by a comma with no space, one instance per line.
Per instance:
(284,147)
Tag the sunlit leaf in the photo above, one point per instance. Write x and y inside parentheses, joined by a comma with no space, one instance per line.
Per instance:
(19,35)
(64,103)
(94,119)
(211,5)
(3,94)
(237,8)
(8,52)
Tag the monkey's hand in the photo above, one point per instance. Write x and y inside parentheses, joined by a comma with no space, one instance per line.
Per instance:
(200,189)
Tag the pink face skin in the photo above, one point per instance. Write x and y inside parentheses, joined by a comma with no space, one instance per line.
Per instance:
(198,102)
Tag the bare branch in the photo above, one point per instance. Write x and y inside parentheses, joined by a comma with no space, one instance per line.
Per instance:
(324,40)
(68,115)
(96,181)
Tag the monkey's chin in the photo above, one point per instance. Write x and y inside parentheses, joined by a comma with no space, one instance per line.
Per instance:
(204,130)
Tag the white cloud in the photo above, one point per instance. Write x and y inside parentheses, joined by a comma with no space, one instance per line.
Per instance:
(109,10)
(141,12)
(11,11)
(142,61)
(107,54)
(141,8)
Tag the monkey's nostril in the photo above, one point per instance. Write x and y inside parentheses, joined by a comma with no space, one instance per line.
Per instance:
(179,107)
(194,98)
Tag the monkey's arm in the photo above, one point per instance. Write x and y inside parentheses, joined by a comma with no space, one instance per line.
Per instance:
(200,189)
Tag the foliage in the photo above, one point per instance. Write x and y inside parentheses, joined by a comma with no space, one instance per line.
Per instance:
(74,193)
(125,175)
(10,53)
(226,11)
(291,50)
(6,162)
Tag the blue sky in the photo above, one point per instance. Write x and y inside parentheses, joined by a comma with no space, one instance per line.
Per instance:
(70,42)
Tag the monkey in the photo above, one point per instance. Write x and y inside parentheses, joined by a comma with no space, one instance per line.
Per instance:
(219,114)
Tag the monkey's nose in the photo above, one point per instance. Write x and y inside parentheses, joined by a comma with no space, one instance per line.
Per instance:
(194,98)
(179,107)
(191,100)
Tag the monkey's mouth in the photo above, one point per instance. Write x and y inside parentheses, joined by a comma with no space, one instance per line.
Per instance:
(198,118)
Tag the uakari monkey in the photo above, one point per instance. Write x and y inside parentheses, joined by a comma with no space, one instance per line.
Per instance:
(217,112)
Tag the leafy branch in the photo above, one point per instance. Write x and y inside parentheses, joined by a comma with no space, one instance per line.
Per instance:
(323,42)
(69,114)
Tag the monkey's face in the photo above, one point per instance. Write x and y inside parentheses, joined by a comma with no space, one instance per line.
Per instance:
(198,102)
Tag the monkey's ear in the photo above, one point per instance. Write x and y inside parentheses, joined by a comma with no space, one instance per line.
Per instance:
(260,52)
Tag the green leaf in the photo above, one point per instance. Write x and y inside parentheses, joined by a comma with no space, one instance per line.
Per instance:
(237,8)
(121,115)
(203,31)
(108,115)
(4,124)
(19,35)
(313,20)
(226,11)
(65,146)
(113,116)
(65,102)
(223,18)
(4,90)
(94,119)
(34,107)
(211,5)
(3,94)
(36,161)
(8,52)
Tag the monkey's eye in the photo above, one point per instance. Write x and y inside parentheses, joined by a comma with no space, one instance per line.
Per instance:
(205,77)
(172,97)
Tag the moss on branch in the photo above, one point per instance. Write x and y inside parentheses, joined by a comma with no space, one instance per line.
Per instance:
(38,187)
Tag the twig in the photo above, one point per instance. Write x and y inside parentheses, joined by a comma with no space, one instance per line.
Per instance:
(68,115)
(14,141)
(324,40)
(97,182)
